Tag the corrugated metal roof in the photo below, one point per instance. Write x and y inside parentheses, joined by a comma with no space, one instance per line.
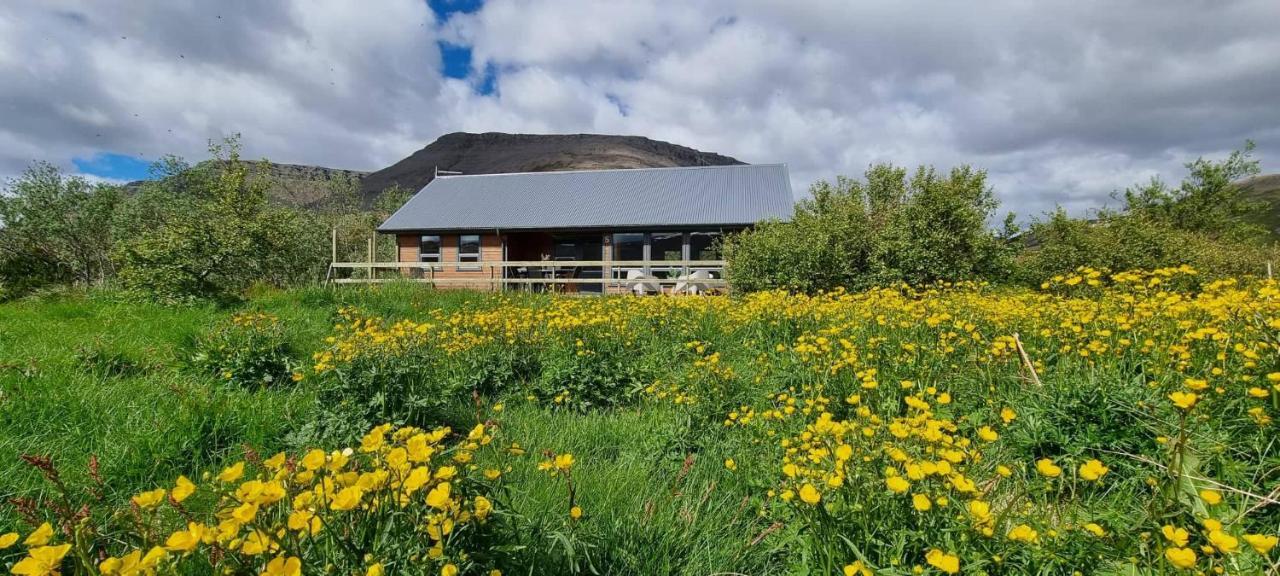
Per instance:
(693,196)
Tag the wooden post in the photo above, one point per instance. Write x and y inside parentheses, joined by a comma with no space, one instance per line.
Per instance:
(1026,359)
(371,260)
(606,271)
(1268,269)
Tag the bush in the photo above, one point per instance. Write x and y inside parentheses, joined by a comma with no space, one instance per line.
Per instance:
(250,350)
(1117,241)
(1204,223)
(208,232)
(888,229)
(590,372)
(53,230)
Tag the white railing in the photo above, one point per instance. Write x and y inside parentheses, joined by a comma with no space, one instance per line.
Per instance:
(555,275)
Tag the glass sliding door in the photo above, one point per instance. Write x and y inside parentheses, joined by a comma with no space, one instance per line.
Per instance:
(665,247)
(627,247)
(576,249)
(704,245)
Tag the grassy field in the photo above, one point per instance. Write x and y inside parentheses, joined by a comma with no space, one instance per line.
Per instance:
(895,431)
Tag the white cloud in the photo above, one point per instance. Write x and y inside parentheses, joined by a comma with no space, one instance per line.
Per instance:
(1062,101)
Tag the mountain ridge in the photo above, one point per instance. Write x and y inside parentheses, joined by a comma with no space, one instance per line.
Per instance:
(309,186)
(497,152)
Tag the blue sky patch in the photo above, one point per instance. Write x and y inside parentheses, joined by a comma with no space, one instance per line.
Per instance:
(115,166)
(446,8)
(457,60)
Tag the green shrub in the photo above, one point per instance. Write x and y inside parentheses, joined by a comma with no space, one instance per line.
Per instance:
(1118,241)
(855,234)
(584,373)
(53,230)
(249,350)
(209,232)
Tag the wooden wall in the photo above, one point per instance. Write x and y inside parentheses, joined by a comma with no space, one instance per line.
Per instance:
(490,251)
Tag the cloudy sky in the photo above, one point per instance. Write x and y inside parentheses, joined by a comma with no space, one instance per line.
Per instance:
(1062,102)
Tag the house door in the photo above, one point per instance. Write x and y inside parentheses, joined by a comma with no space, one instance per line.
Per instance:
(580,248)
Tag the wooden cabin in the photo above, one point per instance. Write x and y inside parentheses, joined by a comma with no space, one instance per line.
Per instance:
(582,231)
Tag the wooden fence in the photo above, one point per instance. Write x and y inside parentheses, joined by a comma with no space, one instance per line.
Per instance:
(547,275)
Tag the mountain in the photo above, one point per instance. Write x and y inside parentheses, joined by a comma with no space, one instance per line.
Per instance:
(494,152)
(300,185)
(488,153)
(295,184)
(1265,189)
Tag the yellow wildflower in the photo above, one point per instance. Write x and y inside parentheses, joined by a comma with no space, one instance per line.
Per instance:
(1093,470)
(1260,543)
(41,561)
(1182,558)
(1176,536)
(149,499)
(1184,400)
(39,537)
(921,502)
(1047,468)
(182,489)
(231,473)
(947,563)
(282,566)
(1023,533)
(1225,543)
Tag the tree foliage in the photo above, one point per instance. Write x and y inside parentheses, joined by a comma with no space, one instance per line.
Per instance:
(1204,222)
(54,230)
(884,229)
(1207,201)
(208,232)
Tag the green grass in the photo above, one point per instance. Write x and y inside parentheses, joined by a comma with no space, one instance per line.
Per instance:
(89,376)
(86,376)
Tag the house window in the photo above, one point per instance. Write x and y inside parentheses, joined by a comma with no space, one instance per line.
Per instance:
(469,251)
(666,246)
(429,249)
(704,246)
(628,247)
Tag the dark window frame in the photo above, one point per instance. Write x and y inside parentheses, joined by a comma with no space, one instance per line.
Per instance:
(463,259)
(437,256)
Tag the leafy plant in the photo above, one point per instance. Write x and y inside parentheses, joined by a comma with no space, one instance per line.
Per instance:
(250,349)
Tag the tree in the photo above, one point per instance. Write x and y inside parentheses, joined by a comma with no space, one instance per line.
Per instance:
(885,229)
(208,231)
(54,230)
(1207,200)
(1204,222)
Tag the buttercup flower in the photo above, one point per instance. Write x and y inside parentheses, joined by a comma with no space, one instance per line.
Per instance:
(1093,470)
(1047,468)
(1182,558)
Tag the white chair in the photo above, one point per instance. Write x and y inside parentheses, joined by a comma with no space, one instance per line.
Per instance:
(636,282)
(696,287)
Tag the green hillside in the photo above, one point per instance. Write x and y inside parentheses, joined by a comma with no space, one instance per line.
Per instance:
(1265,188)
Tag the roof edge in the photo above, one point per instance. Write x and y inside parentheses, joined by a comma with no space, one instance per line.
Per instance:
(596,170)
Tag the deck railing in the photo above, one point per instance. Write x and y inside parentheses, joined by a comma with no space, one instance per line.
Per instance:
(555,275)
